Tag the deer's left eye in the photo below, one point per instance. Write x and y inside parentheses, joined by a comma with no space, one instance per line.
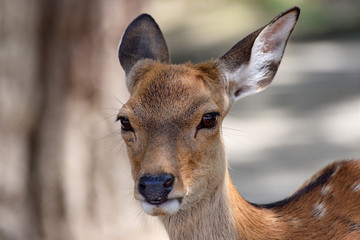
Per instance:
(208,120)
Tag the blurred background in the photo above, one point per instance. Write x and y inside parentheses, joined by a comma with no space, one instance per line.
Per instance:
(64,172)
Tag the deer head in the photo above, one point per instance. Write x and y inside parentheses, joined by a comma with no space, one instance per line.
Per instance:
(172,122)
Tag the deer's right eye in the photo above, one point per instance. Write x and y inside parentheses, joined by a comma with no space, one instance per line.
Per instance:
(125,124)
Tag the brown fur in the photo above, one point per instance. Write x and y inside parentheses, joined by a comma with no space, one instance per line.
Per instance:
(166,106)
(298,218)
(164,113)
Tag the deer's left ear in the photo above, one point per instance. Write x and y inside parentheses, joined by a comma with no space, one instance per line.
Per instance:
(251,64)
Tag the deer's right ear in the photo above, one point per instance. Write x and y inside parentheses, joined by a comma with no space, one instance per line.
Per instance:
(251,64)
(142,40)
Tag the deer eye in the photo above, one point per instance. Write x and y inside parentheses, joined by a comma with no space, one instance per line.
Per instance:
(125,124)
(208,120)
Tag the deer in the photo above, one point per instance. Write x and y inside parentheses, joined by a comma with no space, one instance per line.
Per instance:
(171,126)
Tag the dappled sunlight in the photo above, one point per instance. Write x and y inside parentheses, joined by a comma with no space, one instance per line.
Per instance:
(308,118)
(319,57)
(343,127)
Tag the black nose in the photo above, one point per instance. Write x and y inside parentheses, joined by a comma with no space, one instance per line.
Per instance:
(155,189)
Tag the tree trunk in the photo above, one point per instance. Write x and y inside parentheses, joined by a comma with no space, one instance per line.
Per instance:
(63,174)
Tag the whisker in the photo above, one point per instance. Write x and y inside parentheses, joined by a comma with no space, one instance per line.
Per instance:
(113,134)
(108,93)
(106,118)
(107,108)
(233,129)
(121,148)
(113,147)
(118,100)
(233,139)
(234,116)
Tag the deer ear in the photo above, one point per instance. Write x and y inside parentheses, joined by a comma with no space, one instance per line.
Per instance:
(251,64)
(142,40)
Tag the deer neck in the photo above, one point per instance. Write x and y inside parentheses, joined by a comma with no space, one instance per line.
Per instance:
(222,215)
(254,222)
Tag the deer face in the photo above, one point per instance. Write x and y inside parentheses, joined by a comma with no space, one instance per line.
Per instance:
(171,125)
(172,121)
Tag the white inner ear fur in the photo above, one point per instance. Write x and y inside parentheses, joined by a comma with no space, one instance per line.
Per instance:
(268,48)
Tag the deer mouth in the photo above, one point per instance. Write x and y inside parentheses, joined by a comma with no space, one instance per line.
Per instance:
(157,201)
(161,207)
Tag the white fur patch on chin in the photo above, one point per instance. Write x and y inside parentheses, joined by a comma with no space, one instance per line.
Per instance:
(167,208)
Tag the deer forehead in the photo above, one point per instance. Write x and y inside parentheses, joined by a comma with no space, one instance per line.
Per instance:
(175,93)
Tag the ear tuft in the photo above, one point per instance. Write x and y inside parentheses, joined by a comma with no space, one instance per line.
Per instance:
(252,63)
(142,40)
